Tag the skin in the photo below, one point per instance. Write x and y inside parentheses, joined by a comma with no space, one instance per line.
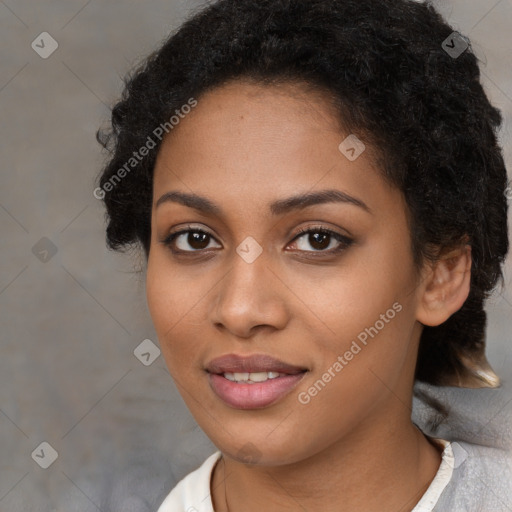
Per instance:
(243,147)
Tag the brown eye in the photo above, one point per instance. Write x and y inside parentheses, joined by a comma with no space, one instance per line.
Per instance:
(318,240)
(197,240)
(321,240)
(189,240)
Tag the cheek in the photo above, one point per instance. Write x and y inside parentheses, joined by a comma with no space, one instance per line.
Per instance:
(359,370)
(174,300)
(368,315)
(353,297)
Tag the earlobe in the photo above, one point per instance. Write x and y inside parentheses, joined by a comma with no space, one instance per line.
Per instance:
(445,287)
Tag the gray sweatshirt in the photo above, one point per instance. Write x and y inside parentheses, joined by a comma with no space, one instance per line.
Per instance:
(479,425)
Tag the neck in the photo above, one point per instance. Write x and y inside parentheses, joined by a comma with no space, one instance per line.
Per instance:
(373,469)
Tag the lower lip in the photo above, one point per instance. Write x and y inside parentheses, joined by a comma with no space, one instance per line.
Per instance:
(253,396)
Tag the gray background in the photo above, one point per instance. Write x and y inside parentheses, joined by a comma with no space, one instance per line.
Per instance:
(70,324)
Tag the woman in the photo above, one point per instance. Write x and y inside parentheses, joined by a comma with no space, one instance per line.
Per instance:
(321,201)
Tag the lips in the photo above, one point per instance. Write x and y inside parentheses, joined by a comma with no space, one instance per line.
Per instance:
(232,363)
(252,395)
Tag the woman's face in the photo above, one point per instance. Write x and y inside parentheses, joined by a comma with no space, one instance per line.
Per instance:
(339,309)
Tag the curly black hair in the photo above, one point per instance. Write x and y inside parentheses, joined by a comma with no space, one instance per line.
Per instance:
(398,86)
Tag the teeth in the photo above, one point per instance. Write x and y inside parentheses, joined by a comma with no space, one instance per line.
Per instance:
(251,378)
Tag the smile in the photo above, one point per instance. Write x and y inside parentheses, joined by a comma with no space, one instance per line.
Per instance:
(252,378)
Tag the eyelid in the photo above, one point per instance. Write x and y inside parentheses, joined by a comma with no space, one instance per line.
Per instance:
(189,227)
(322,228)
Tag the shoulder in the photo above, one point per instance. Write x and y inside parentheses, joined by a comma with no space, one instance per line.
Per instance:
(192,493)
(481,479)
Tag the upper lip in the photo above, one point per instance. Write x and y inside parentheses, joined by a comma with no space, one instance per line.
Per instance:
(233,363)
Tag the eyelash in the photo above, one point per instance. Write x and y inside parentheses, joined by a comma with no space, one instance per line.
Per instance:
(344,241)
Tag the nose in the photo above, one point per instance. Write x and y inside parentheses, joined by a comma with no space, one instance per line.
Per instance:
(249,298)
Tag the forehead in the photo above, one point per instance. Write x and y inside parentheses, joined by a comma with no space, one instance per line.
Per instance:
(242,110)
(261,141)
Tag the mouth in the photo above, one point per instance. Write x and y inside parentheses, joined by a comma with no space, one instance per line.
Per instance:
(252,382)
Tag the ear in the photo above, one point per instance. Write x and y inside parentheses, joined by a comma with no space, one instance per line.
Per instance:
(445,286)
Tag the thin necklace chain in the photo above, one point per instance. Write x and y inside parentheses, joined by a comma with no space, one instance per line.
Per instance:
(224,474)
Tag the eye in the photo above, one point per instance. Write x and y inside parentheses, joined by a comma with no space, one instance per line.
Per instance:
(195,238)
(322,240)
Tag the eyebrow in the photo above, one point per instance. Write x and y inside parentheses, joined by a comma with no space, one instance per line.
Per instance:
(278,207)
